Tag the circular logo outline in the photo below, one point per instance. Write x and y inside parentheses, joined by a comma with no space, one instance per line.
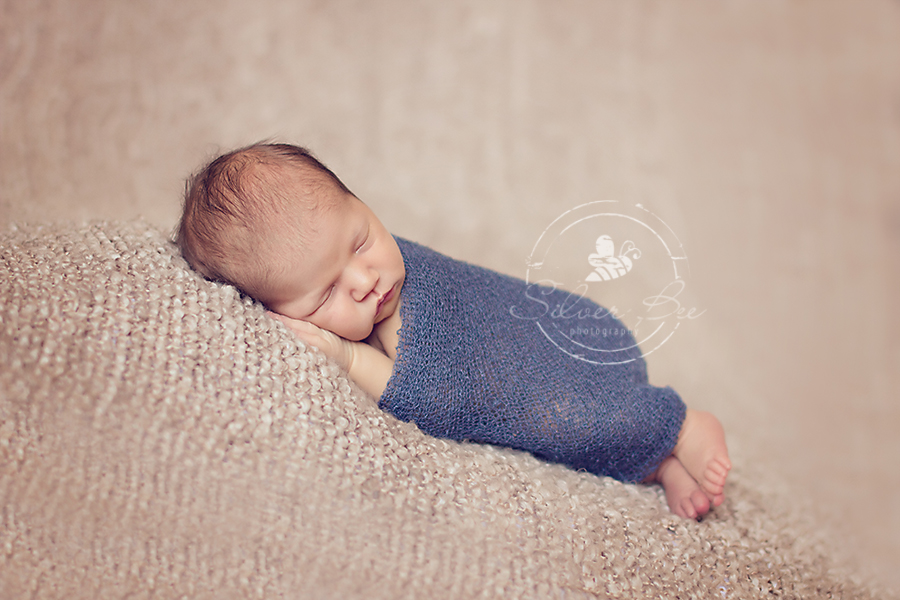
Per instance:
(674,250)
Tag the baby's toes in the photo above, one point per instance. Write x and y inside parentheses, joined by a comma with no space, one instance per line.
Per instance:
(686,509)
(712,484)
(721,464)
(716,472)
(700,503)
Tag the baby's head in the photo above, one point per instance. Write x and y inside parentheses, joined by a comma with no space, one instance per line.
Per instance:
(277,224)
(248,208)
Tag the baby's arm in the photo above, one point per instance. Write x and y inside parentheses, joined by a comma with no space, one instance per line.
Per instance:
(367,366)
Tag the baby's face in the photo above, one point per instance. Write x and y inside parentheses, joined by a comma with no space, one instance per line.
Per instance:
(349,276)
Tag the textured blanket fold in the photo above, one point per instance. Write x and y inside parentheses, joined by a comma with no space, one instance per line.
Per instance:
(474,364)
(162,437)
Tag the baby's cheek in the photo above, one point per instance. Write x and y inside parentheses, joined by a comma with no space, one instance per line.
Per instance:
(334,325)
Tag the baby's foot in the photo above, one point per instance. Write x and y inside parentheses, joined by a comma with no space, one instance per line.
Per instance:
(684,496)
(701,449)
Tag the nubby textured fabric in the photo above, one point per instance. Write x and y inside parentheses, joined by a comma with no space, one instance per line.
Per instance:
(475,362)
(162,437)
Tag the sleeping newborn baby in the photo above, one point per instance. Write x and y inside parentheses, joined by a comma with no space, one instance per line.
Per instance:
(444,344)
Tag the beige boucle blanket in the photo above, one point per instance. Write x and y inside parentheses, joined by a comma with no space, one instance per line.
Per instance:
(161,437)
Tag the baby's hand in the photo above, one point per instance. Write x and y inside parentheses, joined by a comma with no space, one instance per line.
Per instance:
(334,346)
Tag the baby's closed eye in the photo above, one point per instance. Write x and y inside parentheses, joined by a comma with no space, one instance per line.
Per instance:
(364,244)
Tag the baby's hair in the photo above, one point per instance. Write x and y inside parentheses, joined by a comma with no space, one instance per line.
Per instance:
(229,201)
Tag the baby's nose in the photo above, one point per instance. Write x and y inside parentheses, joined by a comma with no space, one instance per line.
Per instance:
(364,283)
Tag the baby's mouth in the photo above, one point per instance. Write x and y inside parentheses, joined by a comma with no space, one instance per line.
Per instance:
(384,298)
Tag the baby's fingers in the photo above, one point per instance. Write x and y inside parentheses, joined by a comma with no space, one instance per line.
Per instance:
(333,346)
(305,330)
(295,325)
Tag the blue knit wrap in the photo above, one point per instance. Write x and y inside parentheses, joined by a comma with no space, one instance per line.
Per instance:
(472,364)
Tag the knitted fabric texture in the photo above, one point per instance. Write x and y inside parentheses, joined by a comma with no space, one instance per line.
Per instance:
(162,437)
(472,364)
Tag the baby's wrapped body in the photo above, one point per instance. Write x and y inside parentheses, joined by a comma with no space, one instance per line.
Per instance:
(472,364)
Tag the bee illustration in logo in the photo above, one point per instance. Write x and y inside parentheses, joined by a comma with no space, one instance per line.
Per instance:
(607,265)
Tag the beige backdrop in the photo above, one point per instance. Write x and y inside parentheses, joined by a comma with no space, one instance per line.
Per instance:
(766,134)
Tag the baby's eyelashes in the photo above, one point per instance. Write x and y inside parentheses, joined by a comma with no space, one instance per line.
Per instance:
(324,299)
(364,245)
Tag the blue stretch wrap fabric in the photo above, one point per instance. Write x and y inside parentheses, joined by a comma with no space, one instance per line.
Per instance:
(473,365)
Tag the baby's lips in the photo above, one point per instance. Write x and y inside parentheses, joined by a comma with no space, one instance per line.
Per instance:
(380,303)
(385,297)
